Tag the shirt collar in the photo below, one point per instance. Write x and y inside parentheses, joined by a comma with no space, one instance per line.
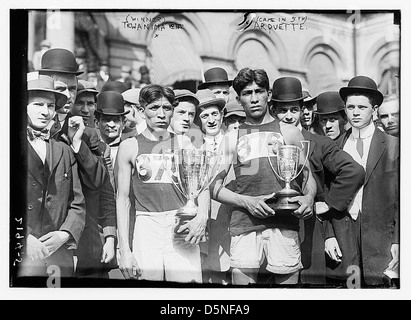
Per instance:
(211,139)
(364,133)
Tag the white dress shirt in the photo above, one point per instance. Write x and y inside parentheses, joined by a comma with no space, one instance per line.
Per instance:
(351,148)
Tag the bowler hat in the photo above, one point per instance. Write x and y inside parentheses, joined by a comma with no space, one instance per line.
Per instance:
(86,86)
(287,89)
(215,76)
(362,85)
(59,60)
(329,102)
(117,86)
(234,108)
(132,95)
(46,83)
(179,94)
(110,103)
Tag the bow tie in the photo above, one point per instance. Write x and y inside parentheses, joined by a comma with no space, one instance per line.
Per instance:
(35,134)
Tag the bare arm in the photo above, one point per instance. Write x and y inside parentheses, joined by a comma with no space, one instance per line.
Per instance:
(254,205)
(127,152)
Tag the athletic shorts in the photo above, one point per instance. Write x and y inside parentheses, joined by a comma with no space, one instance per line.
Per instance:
(281,247)
(160,256)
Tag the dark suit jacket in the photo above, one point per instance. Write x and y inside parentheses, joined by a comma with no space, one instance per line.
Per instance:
(380,207)
(54,201)
(99,197)
(338,178)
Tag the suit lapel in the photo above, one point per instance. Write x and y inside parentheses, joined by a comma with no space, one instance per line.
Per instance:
(307,136)
(34,164)
(56,152)
(377,148)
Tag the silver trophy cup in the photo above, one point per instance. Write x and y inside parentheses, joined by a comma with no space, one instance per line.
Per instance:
(288,168)
(191,171)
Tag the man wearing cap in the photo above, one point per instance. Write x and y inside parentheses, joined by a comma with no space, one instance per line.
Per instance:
(96,247)
(337,175)
(60,64)
(234,115)
(331,114)
(156,255)
(216,79)
(389,115)
(55,203)
(135,124)
(184,112)
(257,232)
(364,241)
(308,116)
(85,103)
(215,258)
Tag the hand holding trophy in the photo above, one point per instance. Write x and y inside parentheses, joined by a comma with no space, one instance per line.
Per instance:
(288,168)
(192,171)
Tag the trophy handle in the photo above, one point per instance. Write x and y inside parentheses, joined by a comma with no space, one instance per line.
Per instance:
(305,146)
(271,164)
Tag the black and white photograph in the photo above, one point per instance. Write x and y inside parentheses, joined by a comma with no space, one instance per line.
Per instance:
(207,148)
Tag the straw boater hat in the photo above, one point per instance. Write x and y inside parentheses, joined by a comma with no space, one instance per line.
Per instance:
(46,84)
(364,85)
(59,60)
(132,96)
(215,76)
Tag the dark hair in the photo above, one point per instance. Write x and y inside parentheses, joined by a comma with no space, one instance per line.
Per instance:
(153,92)
(187,99)
(246,76)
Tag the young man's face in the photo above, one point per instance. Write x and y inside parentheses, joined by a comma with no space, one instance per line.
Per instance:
(221,91)
(389,115)
(62,83)
(211,121)
(288,112)
(158,114)
(110,126)
(359,111)
(254,100)
(183,117)
(84,106)
(40,109)
(307,115)
(332,124)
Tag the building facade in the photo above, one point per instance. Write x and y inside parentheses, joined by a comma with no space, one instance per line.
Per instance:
(324,50)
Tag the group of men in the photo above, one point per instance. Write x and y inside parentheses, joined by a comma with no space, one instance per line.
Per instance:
(102,197)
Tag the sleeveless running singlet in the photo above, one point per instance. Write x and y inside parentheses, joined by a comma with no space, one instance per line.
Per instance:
(153,188)
(255,177)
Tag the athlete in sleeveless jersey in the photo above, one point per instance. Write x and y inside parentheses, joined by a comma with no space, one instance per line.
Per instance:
(258,233)
(157,254)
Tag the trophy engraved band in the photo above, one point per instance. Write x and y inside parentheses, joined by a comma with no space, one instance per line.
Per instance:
(288,168)
(191,171)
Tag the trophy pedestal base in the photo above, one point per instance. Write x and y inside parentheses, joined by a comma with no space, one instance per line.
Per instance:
(279,203)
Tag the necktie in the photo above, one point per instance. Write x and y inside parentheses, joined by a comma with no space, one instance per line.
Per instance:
(360,145)
(214,145)
(35,134)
